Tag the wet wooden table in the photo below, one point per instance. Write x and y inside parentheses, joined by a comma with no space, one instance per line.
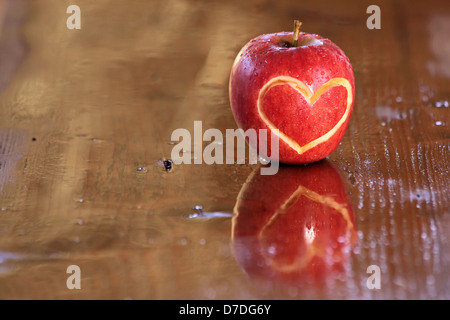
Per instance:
(86,118)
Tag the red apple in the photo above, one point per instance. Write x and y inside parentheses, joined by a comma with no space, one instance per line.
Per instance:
(303,88)
(296,226)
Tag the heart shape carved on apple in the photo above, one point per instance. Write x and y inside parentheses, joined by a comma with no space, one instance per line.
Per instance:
(301,231)
(304,94)
(271,104)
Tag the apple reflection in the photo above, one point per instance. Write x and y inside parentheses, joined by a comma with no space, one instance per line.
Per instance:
(296,226)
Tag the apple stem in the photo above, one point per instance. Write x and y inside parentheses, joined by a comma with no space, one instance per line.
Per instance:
(297,25)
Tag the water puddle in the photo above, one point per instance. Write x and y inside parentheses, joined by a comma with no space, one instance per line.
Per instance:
(204,215)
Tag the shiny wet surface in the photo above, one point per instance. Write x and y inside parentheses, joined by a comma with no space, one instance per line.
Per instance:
(86,118)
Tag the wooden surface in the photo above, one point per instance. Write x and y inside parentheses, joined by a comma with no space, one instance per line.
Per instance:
(82,110)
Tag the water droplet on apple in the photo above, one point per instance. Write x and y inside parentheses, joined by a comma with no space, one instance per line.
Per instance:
(271,250)
(263,160)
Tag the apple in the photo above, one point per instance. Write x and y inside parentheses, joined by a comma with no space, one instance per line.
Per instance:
(294,227)
(298,85)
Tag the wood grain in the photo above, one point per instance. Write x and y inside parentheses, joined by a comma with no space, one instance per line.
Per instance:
(86,117)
